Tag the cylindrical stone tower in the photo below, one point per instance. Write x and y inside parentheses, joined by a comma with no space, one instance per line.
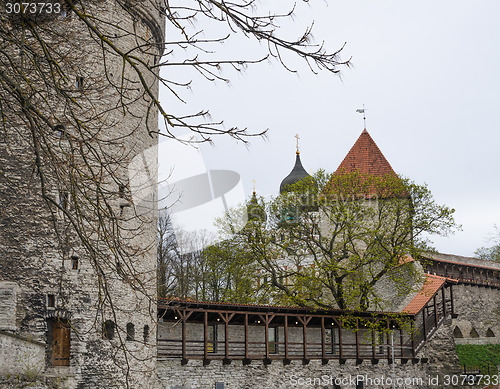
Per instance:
(78,90)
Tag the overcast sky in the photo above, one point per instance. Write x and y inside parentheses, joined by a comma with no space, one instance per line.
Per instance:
(428,74)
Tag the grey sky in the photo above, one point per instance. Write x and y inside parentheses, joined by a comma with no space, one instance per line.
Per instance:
(428,74)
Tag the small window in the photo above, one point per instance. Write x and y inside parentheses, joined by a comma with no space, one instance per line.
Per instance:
(273,340)
(79,82)
(490,333)
(74,263)
(109,329)
(473,333)
(51,301)
(130,332)
(121,191)
(63,199)
(219,385)
(59,130)
(145,334)
(122,208)
(212,338)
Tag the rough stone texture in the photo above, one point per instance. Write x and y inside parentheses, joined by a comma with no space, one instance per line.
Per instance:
(8,305)
(257,375)
(477,308)
(31,257)
(21,356)
(438,354)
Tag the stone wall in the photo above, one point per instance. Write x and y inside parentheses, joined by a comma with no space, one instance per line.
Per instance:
(313,375)
(476,307)
(478,310)
(435,360)
(21,356)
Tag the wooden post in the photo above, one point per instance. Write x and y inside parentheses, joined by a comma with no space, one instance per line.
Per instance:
(323,353)
(286,337)
(401,340)
(373,344)
(413,337)
(443,298)
(341,350)
(304,322)
(226,339)
(357,338)
(451,298)
(423,321)
(388,343)
(226,318)
(246,335)
(304,332)
(184,352)
(267,337)
(435,311)
(205,336)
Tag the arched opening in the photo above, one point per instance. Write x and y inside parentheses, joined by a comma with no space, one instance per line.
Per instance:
(490,333)
(473,333)
(108,331)
(457,333)
(130,332)
(145,334)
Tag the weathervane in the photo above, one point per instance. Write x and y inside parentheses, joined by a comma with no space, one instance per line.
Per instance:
(363,111)
(298,137)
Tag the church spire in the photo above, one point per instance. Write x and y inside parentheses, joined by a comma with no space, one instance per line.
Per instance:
(298,172)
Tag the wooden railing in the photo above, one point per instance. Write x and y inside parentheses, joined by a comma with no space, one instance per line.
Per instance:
(243,332)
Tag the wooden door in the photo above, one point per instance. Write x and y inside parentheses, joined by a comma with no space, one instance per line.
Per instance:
(61,335)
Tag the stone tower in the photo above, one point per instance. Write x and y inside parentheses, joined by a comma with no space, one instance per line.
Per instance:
(77,193)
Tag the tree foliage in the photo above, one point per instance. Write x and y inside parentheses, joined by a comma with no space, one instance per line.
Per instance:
(344,240)
(189,268)
(491,253)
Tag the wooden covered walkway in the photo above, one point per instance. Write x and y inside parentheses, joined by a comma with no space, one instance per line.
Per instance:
(220,331)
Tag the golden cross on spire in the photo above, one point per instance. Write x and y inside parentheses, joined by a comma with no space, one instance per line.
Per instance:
(254,185)
(298,137)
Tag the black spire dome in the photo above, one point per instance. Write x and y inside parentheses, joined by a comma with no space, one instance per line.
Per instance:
(297,174)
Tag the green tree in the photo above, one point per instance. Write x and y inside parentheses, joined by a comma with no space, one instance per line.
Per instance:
(341,240)
(491,253)
(229,275)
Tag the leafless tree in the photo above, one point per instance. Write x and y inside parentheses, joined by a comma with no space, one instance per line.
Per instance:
(79,104)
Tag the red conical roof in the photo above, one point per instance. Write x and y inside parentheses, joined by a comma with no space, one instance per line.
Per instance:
(365,157)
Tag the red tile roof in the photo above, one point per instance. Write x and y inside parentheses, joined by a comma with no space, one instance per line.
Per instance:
(431,285)
(365,157)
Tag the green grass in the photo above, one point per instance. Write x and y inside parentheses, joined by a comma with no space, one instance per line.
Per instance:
(479,355)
